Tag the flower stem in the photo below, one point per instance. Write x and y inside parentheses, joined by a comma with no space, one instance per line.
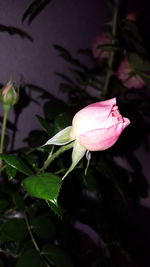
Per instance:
(30,233)
(32,237)
(6,111)
(111,54)
(51,156)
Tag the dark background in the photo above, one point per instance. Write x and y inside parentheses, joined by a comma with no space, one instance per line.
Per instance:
(74,25)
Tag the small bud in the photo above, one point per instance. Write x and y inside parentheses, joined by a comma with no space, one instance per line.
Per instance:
(9,96)
(132,16)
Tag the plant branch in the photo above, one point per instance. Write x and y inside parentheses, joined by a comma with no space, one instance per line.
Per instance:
(111,54)
(30,233)
(51,156)
(32,237)
(6,111)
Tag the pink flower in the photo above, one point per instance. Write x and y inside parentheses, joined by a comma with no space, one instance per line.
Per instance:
(99,125)
(128,76)
(132,16)
(97,52)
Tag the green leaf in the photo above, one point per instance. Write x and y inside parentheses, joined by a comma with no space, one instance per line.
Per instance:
(61,138)
(57,256)
(43,227)
(13,230)
(44,125)
(11,172)
(56,209)
(30,258)
(18,201)
(44,185)
(17,163)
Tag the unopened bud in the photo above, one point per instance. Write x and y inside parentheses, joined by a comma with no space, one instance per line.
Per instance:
(9,96)
(132,16)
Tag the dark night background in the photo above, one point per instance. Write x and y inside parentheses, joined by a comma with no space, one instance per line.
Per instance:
(74,25)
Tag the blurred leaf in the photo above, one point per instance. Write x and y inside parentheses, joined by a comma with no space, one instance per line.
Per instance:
(57,256)
(44,125)
(30,258)
(62,121)
(91,181)
(31,158)
(34,9)
(43,227)
(36,88)
(64,53)
(11,172)
(13,30)
(54,108)
(13,230)
(43,185)
(64,87)
(3,203)
(10,125)
(35,139)
(132,37)
(112,173)
(18,201)
(1,264)
(17,163)
(107,47)
(24,100)
(65,77)
(139,63)
(13,247)
(86,52)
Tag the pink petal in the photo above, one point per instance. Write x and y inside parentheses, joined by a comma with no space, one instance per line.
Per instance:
(101,139)
(93,116)
(134,82)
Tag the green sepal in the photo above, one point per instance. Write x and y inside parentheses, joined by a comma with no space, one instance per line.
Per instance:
(88,157)
(61,138)
(77,154)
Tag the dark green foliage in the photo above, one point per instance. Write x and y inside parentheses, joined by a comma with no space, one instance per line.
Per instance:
(13,230)
(39,210)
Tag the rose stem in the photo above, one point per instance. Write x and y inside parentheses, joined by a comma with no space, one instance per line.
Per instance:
(51,156)
(6,111)
(32,237)
(111,53)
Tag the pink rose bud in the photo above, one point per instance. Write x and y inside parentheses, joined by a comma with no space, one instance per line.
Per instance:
(97,52)
(95,127)
(128,75)
(132,16)
(99,125)
(9,96)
